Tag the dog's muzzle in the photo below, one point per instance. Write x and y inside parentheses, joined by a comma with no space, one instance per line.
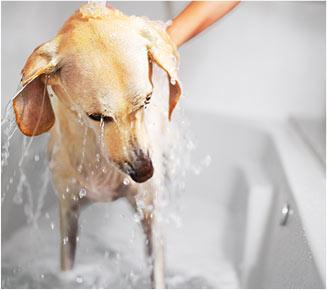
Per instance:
(142,169)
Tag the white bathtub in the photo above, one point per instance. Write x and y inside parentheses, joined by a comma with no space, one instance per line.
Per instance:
(234,209)
(227,234)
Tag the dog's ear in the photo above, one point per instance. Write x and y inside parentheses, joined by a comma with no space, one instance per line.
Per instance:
(164,52)
(32,106)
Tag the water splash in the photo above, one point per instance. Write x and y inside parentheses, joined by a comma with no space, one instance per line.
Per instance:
(27,185)
(19,159)
(100,3)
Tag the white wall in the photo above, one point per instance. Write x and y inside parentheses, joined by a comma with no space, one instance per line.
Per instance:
(264,59)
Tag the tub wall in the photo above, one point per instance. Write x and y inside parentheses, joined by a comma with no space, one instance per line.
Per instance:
(284,256)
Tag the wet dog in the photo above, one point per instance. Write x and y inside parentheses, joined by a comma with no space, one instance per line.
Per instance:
(99,69)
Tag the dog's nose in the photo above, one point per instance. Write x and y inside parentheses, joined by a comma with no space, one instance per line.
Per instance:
(142,169)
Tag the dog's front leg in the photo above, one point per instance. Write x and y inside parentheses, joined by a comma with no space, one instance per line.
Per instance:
(154,241)
(69,214)
(155,248)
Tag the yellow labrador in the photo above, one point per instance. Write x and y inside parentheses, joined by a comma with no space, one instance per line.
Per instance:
(99,67)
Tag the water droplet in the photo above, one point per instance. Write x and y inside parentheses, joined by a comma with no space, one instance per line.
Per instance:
(132,238)
(196,171)
(18,199)
(177,220)
(126,181)
(140,204)
(150,208)
(82,192)
(28,211)
(190,145)
(97,157)
(36,157)
(79,279)
(207,161)
(65,240)
(137,217)
(106,254)
(52,226)
(11,180)
(132,276)
(42,276)
(47,216)
(77,239)
(67,189)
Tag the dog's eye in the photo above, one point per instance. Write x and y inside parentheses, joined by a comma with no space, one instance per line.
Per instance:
(147,99)
(98,117)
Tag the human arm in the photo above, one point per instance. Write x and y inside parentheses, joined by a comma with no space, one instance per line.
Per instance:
(196,17)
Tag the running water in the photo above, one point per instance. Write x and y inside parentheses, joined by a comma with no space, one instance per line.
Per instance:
(102,3)
(110,248)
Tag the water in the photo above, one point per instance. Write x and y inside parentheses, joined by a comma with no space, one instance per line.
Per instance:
(110,251)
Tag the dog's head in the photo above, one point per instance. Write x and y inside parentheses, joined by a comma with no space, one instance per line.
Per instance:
(100,65)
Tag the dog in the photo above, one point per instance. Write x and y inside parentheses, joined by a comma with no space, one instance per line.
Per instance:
(88,87)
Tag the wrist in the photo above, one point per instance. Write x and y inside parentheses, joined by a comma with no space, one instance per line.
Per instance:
(171,33)
(174,33)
